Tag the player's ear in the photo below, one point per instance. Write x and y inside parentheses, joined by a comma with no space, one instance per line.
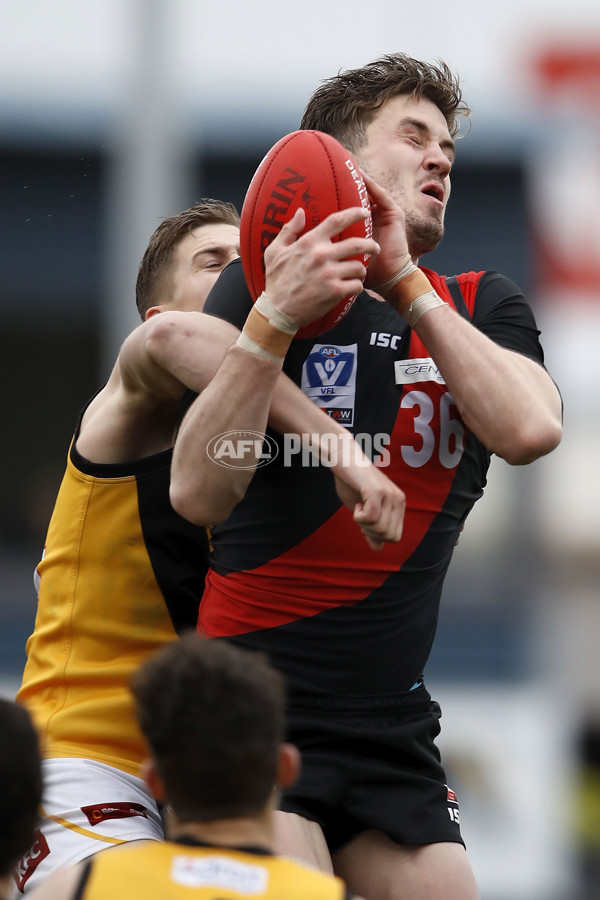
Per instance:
(152,311)
(288,765)
(153,780)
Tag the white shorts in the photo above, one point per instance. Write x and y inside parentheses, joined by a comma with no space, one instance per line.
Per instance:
(87,806)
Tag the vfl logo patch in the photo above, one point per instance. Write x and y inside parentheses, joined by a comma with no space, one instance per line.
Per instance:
(101,813)
(412,371)
(329,379)
(29,862)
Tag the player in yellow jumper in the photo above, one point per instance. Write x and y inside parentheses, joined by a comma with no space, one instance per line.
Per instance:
(122,572)
(213,716)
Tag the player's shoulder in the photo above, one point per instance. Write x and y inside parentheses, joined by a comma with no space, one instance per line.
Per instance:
(484,288)
(464,279)
(485,279)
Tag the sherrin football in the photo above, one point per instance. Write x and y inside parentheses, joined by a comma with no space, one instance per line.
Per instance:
(310,169)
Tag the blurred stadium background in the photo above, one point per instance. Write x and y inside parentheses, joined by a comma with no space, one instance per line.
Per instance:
(116,113)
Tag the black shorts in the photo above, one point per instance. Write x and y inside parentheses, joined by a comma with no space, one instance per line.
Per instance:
(372,762)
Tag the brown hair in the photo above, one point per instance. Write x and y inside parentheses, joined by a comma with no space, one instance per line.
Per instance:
(213,716)
(21,783)
(159,252)
(345,104)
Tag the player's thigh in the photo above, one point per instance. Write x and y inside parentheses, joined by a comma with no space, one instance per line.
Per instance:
(299,838)
(87,807)
(376,867)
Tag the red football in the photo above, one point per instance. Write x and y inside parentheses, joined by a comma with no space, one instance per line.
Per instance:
(309,169)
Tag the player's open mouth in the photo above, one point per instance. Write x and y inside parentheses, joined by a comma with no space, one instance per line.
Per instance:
(434,189)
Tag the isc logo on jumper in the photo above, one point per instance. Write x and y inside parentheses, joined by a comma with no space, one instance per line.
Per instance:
(329,379)
(384,339)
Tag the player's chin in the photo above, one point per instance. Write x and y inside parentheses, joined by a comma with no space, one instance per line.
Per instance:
(424,234)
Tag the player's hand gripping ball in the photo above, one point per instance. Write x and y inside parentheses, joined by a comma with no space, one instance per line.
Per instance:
(306,169)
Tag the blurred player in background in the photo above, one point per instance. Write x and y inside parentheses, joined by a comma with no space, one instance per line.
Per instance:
(213,717)
(437,378)
(20,789)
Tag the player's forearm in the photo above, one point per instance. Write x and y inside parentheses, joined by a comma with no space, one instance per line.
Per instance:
(378,505)
(506,399)
(219,443)
(245,394)
(294,414)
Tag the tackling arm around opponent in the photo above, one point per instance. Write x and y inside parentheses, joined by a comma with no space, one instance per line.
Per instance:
(306,276)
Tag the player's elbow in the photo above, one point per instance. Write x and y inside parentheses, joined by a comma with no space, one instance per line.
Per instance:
(161,331)
(531,441)
(202,507)
(185,502)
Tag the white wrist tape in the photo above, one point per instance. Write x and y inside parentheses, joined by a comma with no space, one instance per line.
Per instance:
(385,288)
(279,320)
(421,305)
(267,332)
(246,343)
